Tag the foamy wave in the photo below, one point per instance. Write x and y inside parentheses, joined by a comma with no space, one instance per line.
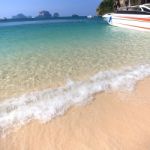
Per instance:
(47,104)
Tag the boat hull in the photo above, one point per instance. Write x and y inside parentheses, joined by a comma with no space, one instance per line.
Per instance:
(131,21)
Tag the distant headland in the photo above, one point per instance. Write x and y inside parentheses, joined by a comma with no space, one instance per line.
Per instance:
(42,15)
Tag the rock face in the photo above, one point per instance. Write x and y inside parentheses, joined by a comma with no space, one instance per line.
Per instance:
(44,14)
(122,2)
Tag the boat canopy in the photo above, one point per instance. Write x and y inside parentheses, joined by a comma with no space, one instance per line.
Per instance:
(145,8)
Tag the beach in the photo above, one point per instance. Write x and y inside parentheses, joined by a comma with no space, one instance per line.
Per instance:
(113,120)
(73,84)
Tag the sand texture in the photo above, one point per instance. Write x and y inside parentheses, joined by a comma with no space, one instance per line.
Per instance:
(113,121)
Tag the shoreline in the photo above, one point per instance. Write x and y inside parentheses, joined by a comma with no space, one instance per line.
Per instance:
(113,120)
(51,103)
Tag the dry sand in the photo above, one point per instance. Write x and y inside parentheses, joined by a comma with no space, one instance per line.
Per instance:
(113,121)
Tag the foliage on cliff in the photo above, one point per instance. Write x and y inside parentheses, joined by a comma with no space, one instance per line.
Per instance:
(105,6)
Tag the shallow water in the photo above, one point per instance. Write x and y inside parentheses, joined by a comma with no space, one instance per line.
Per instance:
(67,55)
(46,54)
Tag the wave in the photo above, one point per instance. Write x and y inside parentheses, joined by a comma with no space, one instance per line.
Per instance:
(48,104)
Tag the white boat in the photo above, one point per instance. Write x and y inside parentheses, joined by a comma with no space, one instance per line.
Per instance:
(89,16)
(134,17)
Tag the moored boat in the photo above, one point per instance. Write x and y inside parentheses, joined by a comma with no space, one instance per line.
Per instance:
(134,17)
(89,16)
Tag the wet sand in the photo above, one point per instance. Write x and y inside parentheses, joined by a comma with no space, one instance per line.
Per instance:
(113,121)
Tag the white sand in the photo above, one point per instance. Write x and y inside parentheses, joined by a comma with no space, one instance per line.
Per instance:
(113,121)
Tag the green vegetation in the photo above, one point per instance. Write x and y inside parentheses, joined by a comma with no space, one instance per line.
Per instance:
(105,6)
(136,2)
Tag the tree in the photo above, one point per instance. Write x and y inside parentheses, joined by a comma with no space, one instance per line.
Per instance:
(19,16)
(105,6)
(56,15)
(136,2)
(44,14)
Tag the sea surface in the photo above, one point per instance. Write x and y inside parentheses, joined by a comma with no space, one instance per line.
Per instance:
(48,66)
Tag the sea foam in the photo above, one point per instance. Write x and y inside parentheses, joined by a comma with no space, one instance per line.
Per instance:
(50,103)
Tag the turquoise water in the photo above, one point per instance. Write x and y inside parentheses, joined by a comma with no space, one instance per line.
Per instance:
(48,66)
(46,54)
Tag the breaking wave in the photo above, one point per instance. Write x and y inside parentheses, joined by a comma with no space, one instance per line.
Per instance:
(48,104)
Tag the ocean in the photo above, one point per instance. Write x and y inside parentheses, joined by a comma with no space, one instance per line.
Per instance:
(48,66)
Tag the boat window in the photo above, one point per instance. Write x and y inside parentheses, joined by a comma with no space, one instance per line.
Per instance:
(145,9)
(134,9)
(139,9)
(147,5)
